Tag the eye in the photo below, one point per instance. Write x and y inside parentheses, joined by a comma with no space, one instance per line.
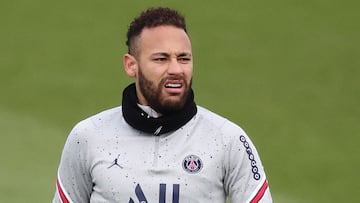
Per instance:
(160,59)
(184,59)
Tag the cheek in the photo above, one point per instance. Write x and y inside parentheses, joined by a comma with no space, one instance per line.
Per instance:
(151,73)
(188,72)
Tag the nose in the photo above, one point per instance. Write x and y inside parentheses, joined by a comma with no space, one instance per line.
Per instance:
(174,67)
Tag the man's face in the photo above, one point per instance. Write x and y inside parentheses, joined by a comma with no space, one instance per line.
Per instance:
(164,68)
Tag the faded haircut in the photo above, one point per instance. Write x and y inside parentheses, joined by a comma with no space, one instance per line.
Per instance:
(152,17)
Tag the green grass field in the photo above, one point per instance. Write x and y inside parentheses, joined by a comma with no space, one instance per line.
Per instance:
(286,71)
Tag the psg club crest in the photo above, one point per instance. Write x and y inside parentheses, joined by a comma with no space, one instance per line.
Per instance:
(192,164)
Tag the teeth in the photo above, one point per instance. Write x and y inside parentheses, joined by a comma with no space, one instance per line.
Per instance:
(173,85)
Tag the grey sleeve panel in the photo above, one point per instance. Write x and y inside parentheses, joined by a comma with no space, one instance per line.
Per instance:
(245,179)
(74,182)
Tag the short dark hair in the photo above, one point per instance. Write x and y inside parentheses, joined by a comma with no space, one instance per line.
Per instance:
(150,18)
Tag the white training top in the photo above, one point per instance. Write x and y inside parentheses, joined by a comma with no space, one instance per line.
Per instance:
(106,160)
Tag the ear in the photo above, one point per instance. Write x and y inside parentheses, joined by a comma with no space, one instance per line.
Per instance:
(130,65)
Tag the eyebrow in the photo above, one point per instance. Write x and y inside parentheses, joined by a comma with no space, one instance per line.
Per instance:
(181,54)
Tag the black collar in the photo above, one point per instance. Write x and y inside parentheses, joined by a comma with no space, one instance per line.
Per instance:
(139,119)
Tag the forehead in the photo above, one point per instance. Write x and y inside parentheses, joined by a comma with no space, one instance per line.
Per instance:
(166,39)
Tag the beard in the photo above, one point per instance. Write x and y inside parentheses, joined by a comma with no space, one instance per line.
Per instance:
(153,93)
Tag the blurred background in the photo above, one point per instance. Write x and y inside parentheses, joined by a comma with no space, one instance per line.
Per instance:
(287,71)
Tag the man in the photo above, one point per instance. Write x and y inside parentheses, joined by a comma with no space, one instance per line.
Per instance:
(159,146)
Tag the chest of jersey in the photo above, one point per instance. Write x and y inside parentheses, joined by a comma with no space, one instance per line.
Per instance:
(183,166)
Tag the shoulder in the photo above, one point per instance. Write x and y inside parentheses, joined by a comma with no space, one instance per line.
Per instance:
(106,116)
(212,125)
(218,122)
(107,119)
(90,132)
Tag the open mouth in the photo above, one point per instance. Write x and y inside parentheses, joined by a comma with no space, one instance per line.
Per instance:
(173,85)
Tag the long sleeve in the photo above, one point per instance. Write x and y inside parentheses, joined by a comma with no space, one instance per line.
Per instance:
(245,179)
(73,182)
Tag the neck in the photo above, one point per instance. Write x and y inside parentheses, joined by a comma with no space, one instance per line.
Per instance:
(150,111)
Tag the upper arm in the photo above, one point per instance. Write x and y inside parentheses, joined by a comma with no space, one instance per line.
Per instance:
(74,182)
(245,179)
